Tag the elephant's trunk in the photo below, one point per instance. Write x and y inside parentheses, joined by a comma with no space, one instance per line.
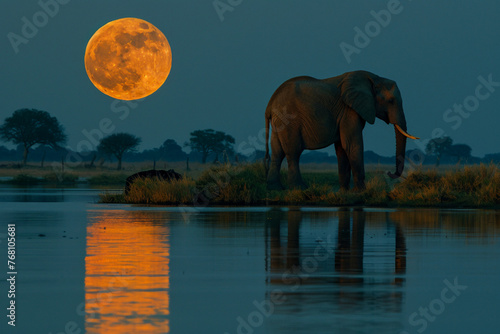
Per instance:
(397,117)
(400,151)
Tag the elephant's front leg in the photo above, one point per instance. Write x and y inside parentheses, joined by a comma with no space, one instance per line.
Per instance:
(352,142)
(344,167)
(356,159)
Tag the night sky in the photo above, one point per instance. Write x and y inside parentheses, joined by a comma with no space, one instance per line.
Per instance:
(226,65)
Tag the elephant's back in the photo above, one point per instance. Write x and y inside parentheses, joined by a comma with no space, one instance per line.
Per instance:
(306,105)
(286,91)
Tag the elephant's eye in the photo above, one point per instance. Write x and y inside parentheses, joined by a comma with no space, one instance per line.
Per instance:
(391,100)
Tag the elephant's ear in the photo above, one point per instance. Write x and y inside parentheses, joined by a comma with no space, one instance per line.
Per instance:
(357,93)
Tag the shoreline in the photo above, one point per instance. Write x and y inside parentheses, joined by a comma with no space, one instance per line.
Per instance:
(461,187)
(475,187)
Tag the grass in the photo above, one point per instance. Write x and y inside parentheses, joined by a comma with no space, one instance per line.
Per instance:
(49,178)
(154,191)
(99,176)
(108,179)
(111,198)
(470,186)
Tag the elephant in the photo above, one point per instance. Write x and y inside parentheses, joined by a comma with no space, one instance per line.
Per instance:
(309,113)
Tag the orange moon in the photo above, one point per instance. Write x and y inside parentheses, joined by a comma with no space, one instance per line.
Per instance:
(128,59)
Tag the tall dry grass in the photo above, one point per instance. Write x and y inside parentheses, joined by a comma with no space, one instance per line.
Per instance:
(226,184)
(154,191)
(470,186)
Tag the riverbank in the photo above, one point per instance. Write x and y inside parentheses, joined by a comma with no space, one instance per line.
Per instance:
(459,187)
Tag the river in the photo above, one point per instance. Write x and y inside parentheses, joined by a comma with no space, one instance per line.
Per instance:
(85,267)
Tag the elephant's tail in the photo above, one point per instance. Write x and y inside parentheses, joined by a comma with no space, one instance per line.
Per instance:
(266,157)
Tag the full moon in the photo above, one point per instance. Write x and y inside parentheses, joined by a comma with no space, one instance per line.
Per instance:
(128,59)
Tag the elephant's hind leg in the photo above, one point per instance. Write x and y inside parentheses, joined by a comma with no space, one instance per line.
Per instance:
(344,167)
(277,156)
(294,176)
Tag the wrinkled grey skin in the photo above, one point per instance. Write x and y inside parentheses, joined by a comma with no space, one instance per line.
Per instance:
(309,114)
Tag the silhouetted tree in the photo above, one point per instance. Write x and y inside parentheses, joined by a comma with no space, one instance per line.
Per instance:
(171,151)
(439,147)
(210,141)
(30,127)
(118,144)
(460,151)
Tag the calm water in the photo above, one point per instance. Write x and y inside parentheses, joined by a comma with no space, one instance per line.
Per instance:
(85,267)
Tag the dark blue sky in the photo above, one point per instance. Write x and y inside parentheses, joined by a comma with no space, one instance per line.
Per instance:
(224,72)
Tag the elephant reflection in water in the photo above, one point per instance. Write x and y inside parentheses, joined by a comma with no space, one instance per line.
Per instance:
(337,270)
(349,252)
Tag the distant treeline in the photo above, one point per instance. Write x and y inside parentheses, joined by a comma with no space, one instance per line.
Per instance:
(174,153)
(40,136)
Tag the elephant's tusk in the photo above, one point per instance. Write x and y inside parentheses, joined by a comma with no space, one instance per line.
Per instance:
(404,132)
